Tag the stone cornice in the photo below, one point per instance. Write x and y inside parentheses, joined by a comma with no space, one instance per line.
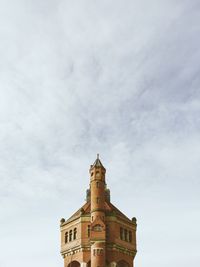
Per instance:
(75,249)
(117,247)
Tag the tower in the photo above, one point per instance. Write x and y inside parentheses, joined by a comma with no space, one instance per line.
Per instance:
(98,234)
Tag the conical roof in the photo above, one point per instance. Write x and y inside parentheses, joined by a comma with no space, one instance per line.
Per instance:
(97,163)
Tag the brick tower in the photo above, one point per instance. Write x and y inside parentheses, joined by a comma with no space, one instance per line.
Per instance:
(98,234)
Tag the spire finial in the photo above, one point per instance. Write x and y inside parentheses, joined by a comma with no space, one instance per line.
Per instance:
(97,155)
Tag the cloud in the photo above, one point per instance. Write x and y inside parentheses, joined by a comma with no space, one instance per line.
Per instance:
(111,77)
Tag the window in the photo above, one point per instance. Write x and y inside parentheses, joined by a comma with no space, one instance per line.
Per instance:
(130,236)
(66,237)
(97,184)
(88,231)
(126,235)
(70,235)
(98,252)
(75,233)
(121,233)
(97,199)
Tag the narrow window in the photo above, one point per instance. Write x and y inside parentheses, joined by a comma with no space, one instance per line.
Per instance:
(70,235)
(75,233)
(121,233)
(126,235)
(97,200)
(88,231)
(130,236)
(97,184)
(66,237)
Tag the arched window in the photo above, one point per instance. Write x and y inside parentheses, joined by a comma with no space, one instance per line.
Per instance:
(73,264)
(66,237)
(75,233)
(70,235)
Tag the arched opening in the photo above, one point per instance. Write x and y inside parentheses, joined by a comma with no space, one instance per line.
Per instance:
(74,264)
(75,233)
(123,263)
(70,235)
(66,237)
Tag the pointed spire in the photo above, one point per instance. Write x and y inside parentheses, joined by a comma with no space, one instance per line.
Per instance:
(97,163)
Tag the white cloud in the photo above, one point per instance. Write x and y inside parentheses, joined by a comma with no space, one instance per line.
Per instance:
(121,79)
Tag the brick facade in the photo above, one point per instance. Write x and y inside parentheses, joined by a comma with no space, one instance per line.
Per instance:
(98,234)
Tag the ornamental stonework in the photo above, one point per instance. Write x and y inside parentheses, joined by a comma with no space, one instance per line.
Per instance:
(98,234)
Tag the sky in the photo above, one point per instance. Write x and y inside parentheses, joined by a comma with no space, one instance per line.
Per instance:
(119,78)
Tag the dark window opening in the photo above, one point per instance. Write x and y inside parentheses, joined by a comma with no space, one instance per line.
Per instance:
(126,235)
(88,231)
(70,235)
(75,233)
(66,237)
(121,233)
(130,236)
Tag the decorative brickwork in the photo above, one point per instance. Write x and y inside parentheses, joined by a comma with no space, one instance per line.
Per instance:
(98,234)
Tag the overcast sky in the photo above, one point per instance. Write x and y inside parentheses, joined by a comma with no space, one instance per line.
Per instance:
(119,78)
